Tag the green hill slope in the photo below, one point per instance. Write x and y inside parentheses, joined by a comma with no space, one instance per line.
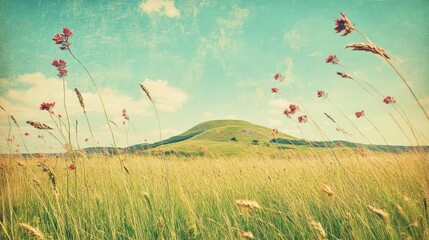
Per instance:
(221,137)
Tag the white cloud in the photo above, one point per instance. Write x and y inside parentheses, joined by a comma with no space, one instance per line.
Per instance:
(279,103)
(36,88)
(295,40)
(162,7)
(168,99)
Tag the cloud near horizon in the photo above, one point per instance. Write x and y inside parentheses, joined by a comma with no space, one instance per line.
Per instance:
(24,103)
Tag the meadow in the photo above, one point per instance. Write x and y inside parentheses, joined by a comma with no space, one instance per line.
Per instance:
(377,196)
(220,179)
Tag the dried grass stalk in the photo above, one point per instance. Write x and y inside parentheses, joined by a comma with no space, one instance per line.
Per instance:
(326,189)
(246,235)
(146,91)
(79,96)
(32,231)
(39,125)
(321,234)
(381,214)
(368,48)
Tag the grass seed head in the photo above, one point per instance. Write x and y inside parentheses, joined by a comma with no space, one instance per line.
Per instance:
(326,189)
(246,235)
(321,234)
(381,214)
(368,48)
(39,125)
(79,96)
(247,204)
(32,231)
(146,91)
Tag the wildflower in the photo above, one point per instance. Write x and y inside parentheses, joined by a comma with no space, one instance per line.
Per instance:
(332,59)
(360,114)
(47,106)
(26,134)
(63,39)
(343,24)
(279,77)
(125,115)
(275,131)
(291,110)
(302,119)
(61,67)
(40,136)
(321,93)
(275,90)
(72,167)
(389,99)
(59,115)
(343,75)
(368,48)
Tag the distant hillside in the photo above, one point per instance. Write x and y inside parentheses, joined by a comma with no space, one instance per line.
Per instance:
(237,137)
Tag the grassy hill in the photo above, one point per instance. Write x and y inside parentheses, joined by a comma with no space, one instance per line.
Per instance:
(223,137)
(239,138)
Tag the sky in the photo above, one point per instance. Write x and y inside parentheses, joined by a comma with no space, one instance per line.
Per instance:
(205,60)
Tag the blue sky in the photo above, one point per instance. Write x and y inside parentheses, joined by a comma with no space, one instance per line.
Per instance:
(206,60)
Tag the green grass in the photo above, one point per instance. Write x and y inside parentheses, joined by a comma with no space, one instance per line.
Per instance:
(108,203)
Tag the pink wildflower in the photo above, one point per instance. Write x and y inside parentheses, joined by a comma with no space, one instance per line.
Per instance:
(359,114)
(72,167)
(389,99)
(275,131)
(61,67)
(26,134)
(279,77)
(302,119)
(63,39)
(321,93)
(343,24)
(47,106)
(275,90)
(291,110)
(332,59)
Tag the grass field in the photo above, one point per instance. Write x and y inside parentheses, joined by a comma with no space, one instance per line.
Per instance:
(377,196)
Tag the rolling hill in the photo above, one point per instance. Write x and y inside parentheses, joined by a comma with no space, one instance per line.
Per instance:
(237,137)
(223,137)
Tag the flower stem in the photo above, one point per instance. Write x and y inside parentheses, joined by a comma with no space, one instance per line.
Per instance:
(399,74)
(385,141)
(99,95)
(67,115)
(408,86)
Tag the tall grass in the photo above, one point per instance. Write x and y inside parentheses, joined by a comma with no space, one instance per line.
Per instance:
(204,192)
